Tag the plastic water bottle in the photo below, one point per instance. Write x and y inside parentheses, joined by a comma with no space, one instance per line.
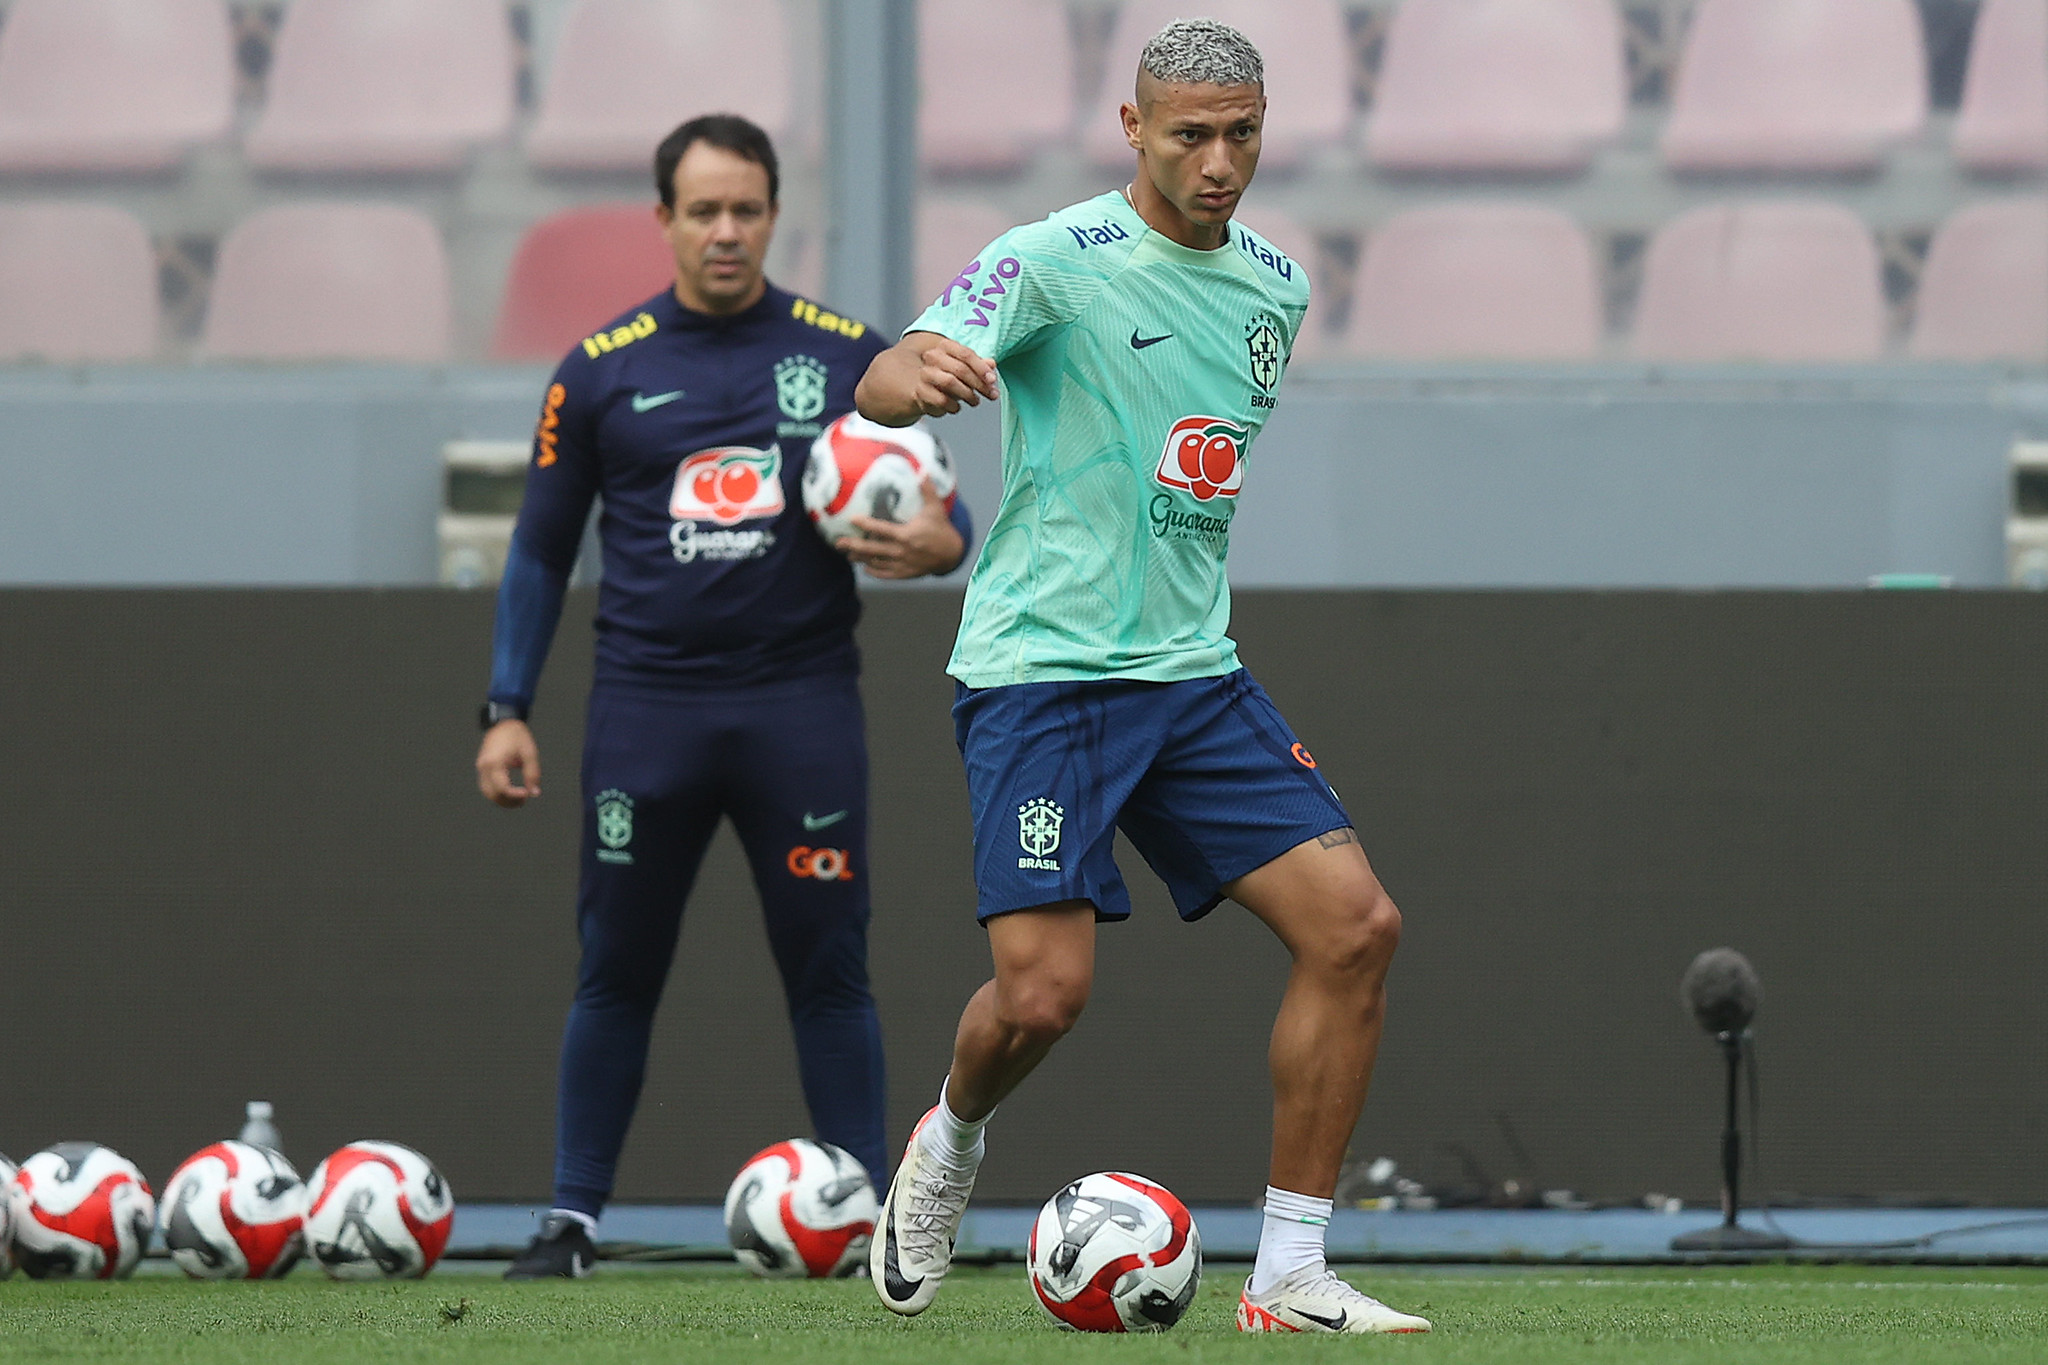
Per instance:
(259,1130)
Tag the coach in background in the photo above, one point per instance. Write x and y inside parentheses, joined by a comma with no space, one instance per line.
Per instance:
(726,666)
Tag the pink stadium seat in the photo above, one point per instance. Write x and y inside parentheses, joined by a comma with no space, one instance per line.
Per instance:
(112,85)
(949,232)
(997,86)
(1796,85)
(1984,293)
(1298,243)
(1307,48)
(77,282)
(385,85)
(2003,123)
(1773,281)
(575,270)
(627,71)
(1498,85)
(330,281)
(1477,281)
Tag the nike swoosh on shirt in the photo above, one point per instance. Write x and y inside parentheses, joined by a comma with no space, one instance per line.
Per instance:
(642,403)
(1139,343)
(814,823)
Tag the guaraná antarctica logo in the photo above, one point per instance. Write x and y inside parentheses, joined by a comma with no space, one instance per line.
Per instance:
(723,487)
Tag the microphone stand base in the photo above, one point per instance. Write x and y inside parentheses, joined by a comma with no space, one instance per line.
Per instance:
(1731,1237)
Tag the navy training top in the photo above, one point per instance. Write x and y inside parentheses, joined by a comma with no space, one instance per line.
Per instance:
(693,429)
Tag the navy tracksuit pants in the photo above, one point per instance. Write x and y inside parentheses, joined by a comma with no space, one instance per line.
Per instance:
(788,764)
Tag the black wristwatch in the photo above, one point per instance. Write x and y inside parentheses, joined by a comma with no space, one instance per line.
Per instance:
(495,711)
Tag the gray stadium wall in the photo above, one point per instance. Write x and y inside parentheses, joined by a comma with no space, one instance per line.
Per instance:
(1368,476)
(241,856)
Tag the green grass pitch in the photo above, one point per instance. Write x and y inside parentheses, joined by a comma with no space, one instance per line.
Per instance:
(1530,1316)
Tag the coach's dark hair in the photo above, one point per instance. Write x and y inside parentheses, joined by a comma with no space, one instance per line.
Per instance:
(728,131)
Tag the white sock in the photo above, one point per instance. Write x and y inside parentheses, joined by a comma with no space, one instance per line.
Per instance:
(589,1223)
(1291,1239)
(952,1139)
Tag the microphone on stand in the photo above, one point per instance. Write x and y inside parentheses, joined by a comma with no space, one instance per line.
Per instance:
(1722,991)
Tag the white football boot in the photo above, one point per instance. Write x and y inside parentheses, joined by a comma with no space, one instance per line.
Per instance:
(1317,1301)
(913,1243)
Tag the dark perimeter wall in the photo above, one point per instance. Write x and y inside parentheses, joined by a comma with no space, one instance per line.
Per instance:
(242,856)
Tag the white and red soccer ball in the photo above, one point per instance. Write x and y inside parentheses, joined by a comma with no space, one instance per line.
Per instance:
(859,468)
(1115,1253)
(234,1212)
(79,1211)
(377,1211)
(800,1208)
(6,1218)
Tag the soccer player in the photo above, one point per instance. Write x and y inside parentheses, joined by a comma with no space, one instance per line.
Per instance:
(1137,340)
(726,666)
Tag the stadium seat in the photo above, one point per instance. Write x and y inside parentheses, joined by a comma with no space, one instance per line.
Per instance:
(1984,293)
(1477,281)
(1821,85)
(2002,126)
(385,85)
(992,93)
(77,282)
(1285,232)
(949,233)
(330,281)
(1773,281)
(112,85)
(1307,48)
(627,71)
(572,272)
(1505,85)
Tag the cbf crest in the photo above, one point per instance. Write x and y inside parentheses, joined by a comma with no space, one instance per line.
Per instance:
(1038,833)
(614,826)
(800,387)
(1262,340)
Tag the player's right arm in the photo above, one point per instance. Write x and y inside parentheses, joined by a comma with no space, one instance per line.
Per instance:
(923,375)
(1005,300)
(561,481)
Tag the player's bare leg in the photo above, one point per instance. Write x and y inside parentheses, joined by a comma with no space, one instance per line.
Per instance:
(1045,965)
(1323,902)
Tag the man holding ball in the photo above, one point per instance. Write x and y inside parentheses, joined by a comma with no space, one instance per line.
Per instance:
(726,665)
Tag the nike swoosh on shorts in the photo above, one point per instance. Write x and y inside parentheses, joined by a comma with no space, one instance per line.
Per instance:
(814,823)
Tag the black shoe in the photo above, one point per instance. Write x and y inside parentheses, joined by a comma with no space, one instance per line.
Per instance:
(562,1251)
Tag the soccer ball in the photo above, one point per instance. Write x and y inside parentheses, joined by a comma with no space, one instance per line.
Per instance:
(376,1210)
(859,468)
(234,1212)
(80,1211)
(1115,1253)
(800,1208)
(6,1218)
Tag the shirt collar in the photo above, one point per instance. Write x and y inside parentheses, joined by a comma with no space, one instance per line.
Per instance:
(670,312)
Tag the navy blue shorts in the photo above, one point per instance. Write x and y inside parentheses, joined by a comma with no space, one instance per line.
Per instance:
(1202,776)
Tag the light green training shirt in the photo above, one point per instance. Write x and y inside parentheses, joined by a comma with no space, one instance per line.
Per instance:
(1135,373)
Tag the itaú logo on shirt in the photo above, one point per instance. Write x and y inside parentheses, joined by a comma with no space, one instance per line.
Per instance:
(1204,456)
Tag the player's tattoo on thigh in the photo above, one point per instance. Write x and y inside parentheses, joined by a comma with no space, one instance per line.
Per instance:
(1338,837)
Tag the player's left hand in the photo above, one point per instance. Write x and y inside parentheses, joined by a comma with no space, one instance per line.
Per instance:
(927,543)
